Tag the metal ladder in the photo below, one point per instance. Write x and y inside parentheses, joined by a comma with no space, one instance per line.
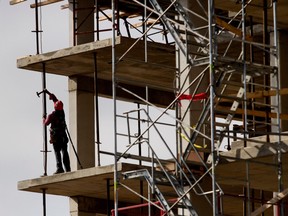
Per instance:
(162,178)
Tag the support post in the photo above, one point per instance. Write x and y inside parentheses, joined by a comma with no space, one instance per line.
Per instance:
(278,102)
(140,148)
(44,113)
(96,108)
(97,21)
(247,210)
(212,90)
(37,26)
(81,98)
(44,201)
(266,62)
(108,197)
(114,29)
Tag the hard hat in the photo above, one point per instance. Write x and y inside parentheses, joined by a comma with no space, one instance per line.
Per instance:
(58,105)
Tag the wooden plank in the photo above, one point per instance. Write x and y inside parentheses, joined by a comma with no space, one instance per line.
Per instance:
(149,22)
(270,203)
(231,28)
(103,18)
(47,2)
(121,14)
(254,113)
(261,94)
(65,6)
(13,2)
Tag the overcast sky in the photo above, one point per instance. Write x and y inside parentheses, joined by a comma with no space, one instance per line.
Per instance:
(21,110)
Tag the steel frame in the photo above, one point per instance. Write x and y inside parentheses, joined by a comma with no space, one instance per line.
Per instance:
(211,65)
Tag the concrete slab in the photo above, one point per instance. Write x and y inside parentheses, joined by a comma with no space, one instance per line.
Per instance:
(255,9)
(72,183)
(258,162)
(157,73)
(91,182)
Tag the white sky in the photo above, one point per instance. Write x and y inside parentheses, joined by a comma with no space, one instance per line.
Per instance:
(21,109)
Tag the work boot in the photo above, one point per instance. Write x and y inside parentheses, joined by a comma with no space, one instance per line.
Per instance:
(59,171)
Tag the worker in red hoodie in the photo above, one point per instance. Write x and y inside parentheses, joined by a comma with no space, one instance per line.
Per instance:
(58,136)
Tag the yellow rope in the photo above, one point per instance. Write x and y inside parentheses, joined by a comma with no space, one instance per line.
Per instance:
(197,146)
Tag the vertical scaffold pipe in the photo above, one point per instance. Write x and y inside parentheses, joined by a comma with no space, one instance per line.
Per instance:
(96,108)
(144,30)
(114,106)
(244,81)
(44,110)
(278,102)
(150,189)
(37,26)
(108,196)
(97,21)
(212,114)
(140,148)
(74,21)
(44,201)
(43,104)
(266,60)
(45,150)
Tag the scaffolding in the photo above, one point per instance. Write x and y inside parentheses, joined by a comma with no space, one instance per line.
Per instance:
(225,89)
(232,76)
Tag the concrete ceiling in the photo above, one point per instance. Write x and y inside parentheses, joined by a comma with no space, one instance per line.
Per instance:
(255,9)
(89,182)
(158,72)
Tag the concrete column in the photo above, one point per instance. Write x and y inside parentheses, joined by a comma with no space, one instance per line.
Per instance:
(81,91)
(194,112)
(81,120)
(74,208)
(81,124)
(81,101)
(87,206)
(84,22)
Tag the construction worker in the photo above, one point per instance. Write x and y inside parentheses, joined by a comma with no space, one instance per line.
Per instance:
(58,136)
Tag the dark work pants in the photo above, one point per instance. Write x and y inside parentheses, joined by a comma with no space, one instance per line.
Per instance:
(60,147)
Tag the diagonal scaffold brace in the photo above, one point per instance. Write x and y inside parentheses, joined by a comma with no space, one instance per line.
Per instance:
(72,144)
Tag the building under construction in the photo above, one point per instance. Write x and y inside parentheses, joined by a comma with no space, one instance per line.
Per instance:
(208,73)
